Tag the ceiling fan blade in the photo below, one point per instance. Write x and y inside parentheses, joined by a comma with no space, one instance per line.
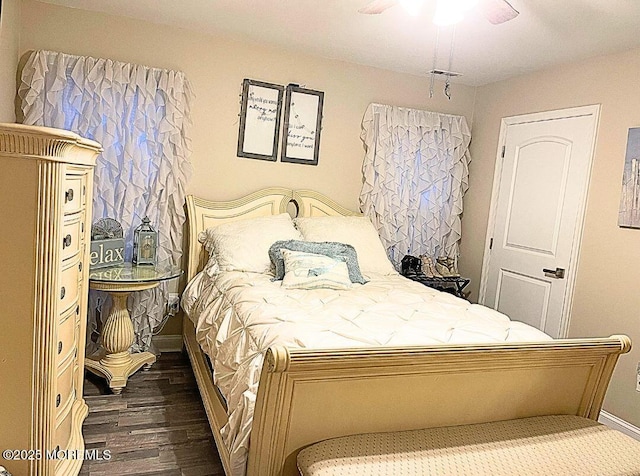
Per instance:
(498,11)
(376,7)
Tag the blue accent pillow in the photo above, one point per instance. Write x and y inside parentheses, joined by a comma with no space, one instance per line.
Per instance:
(338,251)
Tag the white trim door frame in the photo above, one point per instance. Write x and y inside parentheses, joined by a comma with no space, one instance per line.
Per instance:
(503,183)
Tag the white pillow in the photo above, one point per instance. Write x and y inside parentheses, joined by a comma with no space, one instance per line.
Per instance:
(358,232)
(243,245)
(311,271)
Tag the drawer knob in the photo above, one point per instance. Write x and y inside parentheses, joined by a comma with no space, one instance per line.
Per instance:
(68,195)
(80,267)
(77,310)
(66,242)
(58,398)
(59,347)
(63,292)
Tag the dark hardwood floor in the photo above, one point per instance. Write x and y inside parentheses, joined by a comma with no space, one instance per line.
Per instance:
(157,426)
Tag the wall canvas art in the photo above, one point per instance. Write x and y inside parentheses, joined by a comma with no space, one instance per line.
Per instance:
(629,215)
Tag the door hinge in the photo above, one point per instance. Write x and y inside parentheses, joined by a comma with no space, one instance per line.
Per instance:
(491,243)
(504,149)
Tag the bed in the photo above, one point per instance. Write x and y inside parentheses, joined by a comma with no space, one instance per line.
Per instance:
(307,392)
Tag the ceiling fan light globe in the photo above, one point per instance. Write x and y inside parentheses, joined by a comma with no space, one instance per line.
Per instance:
(448,13)
(465,5)
(412,7)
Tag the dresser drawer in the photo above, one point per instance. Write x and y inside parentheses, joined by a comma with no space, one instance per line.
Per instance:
(72,236)
(65,388)
(68,292)
(67,340)
(74,192)
(63,431)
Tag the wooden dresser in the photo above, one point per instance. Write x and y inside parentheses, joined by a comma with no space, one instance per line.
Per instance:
(46,185)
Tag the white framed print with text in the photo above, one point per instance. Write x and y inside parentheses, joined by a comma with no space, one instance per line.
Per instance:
(260,110)
(302,125)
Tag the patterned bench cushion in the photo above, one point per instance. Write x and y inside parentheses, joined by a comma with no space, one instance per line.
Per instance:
(548,445)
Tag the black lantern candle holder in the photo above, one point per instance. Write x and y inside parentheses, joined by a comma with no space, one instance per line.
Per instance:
(145,244)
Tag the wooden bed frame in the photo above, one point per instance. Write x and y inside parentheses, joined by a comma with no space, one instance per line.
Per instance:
(306,396)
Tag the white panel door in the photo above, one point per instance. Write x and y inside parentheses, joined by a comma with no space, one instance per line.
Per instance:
(538,210)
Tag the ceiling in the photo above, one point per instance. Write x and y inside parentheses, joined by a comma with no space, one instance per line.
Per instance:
(547,32)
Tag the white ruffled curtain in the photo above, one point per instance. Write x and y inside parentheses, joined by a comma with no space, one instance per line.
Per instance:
(416,171)
(141,116)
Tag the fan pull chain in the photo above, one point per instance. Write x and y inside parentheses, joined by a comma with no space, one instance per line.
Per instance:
(447,84)
(435,60)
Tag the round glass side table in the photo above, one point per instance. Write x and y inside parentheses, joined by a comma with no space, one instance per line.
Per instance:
(116,363)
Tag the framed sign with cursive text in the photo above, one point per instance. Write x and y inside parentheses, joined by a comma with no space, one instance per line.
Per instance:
(260,120)
(302,124)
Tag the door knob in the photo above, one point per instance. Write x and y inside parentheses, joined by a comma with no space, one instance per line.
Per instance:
(557,273)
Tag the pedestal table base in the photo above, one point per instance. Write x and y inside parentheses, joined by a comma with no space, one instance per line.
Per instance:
(116,364)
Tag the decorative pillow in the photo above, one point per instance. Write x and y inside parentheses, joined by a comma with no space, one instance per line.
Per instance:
(313,271)
(243,245)
(340,251)
(355,231)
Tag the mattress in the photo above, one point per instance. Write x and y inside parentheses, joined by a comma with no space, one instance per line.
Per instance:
(239,315)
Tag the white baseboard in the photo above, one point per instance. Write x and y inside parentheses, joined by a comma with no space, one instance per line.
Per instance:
(619,424)
(168,343)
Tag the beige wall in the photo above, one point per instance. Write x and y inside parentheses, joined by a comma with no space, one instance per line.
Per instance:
(607,296)
(9,44)
(216,67)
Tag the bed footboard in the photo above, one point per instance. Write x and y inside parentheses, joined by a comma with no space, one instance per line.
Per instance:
(306,396)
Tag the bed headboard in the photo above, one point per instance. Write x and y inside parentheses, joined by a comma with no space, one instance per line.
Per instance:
(203,214)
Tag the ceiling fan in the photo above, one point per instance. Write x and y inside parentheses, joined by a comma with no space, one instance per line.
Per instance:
(448,12)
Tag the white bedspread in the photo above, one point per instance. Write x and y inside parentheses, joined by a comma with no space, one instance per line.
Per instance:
(239,315)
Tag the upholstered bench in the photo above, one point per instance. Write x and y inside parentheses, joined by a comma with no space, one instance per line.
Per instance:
(546,445)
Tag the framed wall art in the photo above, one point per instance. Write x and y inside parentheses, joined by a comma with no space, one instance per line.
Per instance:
(302,125)
(629,214)
(260,109)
